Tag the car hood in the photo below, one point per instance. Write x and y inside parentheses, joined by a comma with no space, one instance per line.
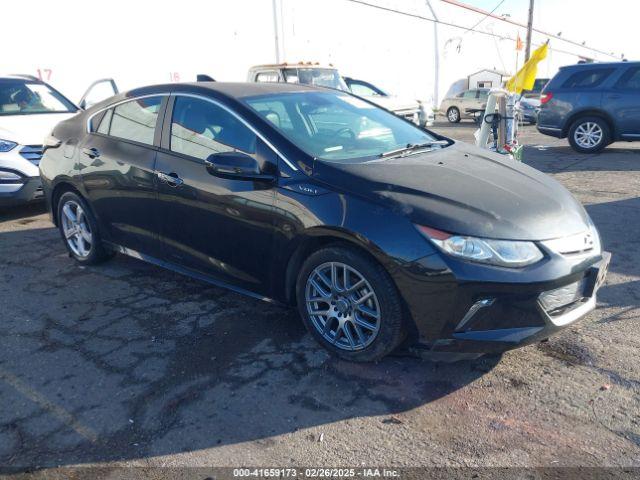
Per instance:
(30,129)
(463,189)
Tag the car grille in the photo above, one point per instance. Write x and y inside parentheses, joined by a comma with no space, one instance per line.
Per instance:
(33,153)
(560,300)
(580,244)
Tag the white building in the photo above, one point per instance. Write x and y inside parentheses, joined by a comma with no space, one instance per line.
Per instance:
(487,78)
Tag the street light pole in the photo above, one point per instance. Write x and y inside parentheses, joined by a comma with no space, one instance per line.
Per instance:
(436,58)
(527,52)
(276,28)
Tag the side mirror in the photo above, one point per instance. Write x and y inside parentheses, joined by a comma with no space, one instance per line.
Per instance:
(236,165)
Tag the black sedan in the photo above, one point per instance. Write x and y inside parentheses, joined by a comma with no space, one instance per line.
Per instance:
(380,232)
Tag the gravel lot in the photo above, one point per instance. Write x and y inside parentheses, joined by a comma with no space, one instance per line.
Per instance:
(128,364)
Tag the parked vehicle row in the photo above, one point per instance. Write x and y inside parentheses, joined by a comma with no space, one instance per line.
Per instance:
(29,108)
(329,76)
(381,232)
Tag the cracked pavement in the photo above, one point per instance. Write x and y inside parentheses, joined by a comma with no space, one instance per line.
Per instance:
(126,364)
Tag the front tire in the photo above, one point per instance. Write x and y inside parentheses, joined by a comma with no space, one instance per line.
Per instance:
(349,304)
(79,230)
(453,115)
(589,135)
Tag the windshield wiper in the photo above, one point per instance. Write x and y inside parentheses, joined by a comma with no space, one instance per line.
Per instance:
(411,147)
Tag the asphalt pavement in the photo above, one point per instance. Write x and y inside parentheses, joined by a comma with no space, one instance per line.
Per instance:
(126,364)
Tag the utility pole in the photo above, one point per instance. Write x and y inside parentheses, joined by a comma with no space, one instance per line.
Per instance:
(436,58)
(276,29)
(527,51)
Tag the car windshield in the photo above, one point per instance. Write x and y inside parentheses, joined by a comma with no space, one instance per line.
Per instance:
(320,77)
(18,97)
(337,127)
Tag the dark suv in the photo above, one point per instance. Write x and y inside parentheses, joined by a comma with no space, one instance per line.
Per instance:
(593,105)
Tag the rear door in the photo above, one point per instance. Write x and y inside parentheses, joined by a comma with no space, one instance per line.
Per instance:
(218,226)
(116,161)
(623,102)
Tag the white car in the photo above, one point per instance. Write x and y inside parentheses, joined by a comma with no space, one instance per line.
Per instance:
(29,109)
(410,109)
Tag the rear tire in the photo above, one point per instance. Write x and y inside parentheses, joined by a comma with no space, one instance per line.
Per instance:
(453,115)
(589,135)
(360,315)
(79,230)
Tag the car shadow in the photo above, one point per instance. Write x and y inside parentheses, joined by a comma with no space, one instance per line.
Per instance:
(556,159)
(128,361)
(22,211)
(616,222)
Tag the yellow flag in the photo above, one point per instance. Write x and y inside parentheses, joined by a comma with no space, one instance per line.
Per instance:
(526,76)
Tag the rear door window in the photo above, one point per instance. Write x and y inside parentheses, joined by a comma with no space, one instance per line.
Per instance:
(588,78)
(136,120)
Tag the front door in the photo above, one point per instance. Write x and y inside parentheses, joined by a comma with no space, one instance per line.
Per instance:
(116,162)
(218,226)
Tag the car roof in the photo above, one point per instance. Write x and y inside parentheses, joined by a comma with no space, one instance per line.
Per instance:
(601,64)
(19,76)
(230,89)
(293,65)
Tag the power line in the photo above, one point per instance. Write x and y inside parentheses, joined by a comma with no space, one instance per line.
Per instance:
(458,3)
(485,17)
(481,32)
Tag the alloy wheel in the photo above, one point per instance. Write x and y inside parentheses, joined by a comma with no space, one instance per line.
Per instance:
(453,115)
(588,135)
(343,306)
(76,229)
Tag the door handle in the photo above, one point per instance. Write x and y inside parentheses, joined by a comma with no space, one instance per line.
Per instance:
(91,152)
(614,96)
(172,179)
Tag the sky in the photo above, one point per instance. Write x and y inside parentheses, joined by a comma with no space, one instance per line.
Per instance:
(610,26)
(73,42)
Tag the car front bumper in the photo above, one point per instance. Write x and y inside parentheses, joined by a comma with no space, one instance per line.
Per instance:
(454,315)
(12,194)
(22,160)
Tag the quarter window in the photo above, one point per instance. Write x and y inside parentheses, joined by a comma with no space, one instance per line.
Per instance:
(630,80)
(105,123)
(200,129)
(136,120)
(588,78)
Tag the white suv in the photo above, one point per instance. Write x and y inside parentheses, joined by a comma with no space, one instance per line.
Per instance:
(29,109)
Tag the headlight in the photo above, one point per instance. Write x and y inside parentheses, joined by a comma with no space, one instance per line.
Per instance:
(6,145)
(9,177)
(503,253)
